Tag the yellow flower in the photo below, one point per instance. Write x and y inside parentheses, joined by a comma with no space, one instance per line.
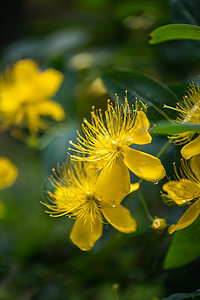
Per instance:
(186,190)
(25,93)
(8,173)
(107,143)
(189,113)
(76,196)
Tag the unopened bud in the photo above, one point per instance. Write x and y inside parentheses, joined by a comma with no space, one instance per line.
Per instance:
(159,225)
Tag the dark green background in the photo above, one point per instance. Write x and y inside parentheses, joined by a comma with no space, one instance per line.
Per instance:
(37,259)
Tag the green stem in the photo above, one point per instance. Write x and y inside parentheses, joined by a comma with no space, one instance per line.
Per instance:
(162,151)
(115,289)
(130,197)
(145,206)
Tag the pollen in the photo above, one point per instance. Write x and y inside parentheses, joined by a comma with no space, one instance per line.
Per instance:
(74,193)
(189,112)
(185,190)
(105,137)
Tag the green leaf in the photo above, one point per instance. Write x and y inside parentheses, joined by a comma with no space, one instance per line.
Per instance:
(185,246)
(174,32)
(180,88)
(142,86)
(184,296)
(165,128)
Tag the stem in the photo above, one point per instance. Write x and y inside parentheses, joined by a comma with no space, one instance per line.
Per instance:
(128,202)
(162,151)
(145,206)
(115,289)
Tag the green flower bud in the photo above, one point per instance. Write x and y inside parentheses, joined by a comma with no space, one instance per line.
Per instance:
(159,225)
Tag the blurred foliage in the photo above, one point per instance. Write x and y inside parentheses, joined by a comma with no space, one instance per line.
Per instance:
(88,40)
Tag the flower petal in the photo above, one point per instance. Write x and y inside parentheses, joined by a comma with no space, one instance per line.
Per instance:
(120,218)
(141,135)
(50,108)
(48,82)
(8,172)
(182,191)
(143,165)
(191,149)
(188,217)
(195,166)
(64,198)
(85,234)
(25,71)
(113,183)
(134,187)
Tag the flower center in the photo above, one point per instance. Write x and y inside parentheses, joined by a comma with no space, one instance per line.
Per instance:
(90,196)
(116,146)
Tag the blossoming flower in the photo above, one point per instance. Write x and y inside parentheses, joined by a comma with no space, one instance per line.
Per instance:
(186,190)
(25,93)
(76,196)
(108,144)
(189,113)
(8,172)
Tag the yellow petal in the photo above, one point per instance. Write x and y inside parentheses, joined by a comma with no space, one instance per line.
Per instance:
(120,218)
(143,165)
(8,173)
(141,135)
(85,234)
(191,149)
(182,191)
(195,166)
(50,108)
(188,217)
(25,71)
(113,183)
(64,198)
(91,173)
(134,187)
(48,82)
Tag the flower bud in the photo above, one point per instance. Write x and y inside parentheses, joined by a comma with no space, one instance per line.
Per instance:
(159,225)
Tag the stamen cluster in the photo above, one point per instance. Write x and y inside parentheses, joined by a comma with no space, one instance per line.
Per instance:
(75,192)
(104,139)
(189,113)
